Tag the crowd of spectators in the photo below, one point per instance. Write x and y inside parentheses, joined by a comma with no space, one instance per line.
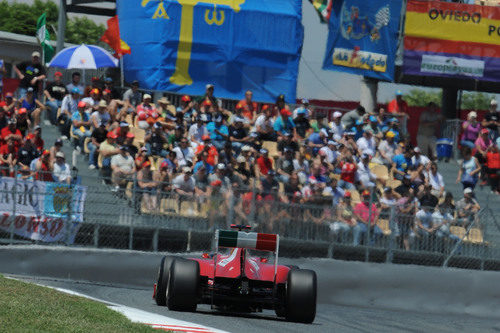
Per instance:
(361,163)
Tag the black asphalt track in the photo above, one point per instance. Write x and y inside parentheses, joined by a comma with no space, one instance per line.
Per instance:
(353,297)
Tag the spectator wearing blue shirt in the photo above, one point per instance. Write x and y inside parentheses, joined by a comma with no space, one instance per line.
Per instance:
(358,129)
(284,123)
(318,140)
(401,163)
(219,133)
(81,125)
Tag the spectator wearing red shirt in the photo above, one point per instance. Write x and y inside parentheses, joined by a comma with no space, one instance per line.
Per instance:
(8,156)
(38,141)
(264,164)
(347,174)
(11,132)
(122,132)
(366,218)
(248,107)
(213,155)
(399,108)
(43,167)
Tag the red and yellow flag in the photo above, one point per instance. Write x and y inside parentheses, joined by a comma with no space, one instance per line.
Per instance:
(112,37)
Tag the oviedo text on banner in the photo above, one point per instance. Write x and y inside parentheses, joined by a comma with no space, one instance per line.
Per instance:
(452,40)
(363,37)
(182,45)
(44,211)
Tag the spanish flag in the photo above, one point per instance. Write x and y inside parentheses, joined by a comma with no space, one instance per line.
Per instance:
(112,38)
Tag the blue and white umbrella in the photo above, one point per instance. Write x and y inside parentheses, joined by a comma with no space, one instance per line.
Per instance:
(83,57)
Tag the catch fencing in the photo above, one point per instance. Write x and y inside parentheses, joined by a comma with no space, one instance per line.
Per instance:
(89,213)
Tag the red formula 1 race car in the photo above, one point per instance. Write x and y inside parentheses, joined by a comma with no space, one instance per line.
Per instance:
(239,276)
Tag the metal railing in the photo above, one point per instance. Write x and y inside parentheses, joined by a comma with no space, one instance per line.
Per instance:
(88,213)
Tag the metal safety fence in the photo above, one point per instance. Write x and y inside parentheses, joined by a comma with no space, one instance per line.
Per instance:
(92,212)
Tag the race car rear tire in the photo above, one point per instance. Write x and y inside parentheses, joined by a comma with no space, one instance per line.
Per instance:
(301,293)
(162,280)
(183,285)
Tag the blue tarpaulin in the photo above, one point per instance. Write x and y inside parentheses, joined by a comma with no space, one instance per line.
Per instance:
(181,46)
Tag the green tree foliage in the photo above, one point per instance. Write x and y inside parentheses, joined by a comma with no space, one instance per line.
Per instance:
(421,97)
(20,18)
(476,101)
(82,30)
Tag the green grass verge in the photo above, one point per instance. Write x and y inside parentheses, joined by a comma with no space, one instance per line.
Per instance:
(26,307)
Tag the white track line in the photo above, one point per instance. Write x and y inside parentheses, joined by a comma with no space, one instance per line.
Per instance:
(154,320)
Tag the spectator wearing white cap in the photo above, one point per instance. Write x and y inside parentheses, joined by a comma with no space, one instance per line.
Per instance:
(304,108)
(367,144)
(209,94)
(123,167)
(491,120)
(101,115)
(467,208)
(363,173)
(471,129)
(145,111)
(31,73)
(330,151)
(264,125)
(61,172)
(337,128)
(238,135)
(221,174)
(198,130)
(428,129)
(419,160)
(184,183)
(302,124)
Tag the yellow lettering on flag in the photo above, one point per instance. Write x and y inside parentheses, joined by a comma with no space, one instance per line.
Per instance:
(160,12)
(181,75)
(421,25)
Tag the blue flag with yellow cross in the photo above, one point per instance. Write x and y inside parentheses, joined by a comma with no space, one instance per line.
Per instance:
(237,45)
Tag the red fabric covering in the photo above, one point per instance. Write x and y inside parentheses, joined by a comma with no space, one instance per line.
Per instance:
(9,85)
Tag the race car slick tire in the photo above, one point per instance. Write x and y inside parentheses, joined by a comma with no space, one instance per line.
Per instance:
(300,302)
(183,285)
(162,280)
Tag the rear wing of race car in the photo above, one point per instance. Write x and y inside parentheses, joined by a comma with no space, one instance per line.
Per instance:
(247,240)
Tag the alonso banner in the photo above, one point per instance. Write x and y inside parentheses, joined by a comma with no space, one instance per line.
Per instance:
(452,40)
(363,37)
(40,210)
(234,44)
